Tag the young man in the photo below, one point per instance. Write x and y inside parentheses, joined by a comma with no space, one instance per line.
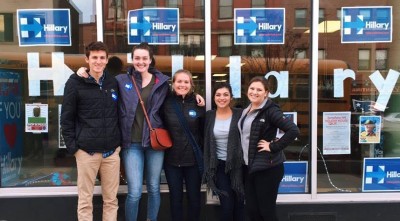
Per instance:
(89,121)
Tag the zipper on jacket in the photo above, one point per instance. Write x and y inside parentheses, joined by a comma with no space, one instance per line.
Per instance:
(104,113)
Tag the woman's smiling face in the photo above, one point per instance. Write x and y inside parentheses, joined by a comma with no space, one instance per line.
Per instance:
(141,60)
(257,93)
(222,97)
(182,84)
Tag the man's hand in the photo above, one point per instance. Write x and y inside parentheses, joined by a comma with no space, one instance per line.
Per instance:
(82,72)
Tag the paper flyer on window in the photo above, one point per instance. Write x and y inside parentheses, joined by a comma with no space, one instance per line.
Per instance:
(36,118)
(369,129)
(336,133)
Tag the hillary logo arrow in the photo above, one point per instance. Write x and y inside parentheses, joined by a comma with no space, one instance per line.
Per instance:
(36,27)
(375,173)
(145,26)
(358,24)
(246,27)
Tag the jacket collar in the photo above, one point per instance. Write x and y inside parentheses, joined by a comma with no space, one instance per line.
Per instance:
(264,105)
(160,77)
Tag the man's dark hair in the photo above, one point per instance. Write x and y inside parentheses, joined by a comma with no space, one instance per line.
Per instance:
(96,46)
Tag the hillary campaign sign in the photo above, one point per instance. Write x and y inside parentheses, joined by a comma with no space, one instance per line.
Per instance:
(44,27)
(381,174)
(154,25)
(295,177)
(367,24)
(259,26)
(11,124)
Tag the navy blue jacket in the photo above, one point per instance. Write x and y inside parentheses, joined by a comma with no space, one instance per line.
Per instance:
(129,102)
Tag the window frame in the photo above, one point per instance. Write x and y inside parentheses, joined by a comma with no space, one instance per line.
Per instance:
(223,14)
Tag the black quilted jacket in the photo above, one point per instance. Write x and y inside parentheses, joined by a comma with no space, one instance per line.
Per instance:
(89,116)
(181,153)
(264,126)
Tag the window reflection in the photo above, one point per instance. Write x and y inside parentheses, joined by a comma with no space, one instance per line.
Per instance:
(29,159)
(41,160)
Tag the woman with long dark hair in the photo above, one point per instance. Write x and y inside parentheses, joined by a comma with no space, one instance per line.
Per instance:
(223,157)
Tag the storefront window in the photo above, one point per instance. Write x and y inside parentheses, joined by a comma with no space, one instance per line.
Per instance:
(285,64)
(357,79)
(32,152)
(169,57)
(367,126)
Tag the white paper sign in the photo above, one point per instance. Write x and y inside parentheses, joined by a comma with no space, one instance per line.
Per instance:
(36,118)
(336,133)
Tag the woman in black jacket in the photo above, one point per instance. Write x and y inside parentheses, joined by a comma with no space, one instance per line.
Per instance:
(263,154)
(183,162)
(223,157)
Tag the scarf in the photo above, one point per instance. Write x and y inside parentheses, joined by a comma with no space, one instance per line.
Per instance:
(234,159)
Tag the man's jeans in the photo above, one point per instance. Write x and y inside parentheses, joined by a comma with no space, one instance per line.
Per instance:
(137,159)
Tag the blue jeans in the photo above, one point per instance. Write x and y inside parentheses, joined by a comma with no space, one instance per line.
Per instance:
(137,158)
(175,178)
(232,207)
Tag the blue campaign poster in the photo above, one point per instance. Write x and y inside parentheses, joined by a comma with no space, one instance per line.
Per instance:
(11,124)
(259,26)
(153,25)
(44,27)
(381,174)
(295,177)
(367,24)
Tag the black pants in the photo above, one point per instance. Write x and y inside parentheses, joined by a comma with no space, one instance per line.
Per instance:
(261,191)
(232,207)
(176,177)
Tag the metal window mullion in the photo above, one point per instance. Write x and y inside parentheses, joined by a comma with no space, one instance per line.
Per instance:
(314,96)
(99,20)
(207,53)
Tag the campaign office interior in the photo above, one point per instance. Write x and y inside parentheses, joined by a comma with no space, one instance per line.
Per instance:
(332,67)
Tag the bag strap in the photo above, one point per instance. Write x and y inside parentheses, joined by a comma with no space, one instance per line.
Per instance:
(192,140)
(141,102)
